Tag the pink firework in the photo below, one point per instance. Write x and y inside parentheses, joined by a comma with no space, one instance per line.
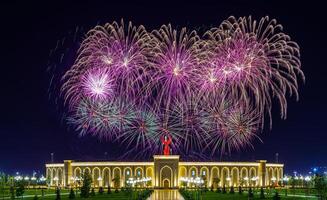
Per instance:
(254,62)
(211,92)
(236,128)
(175,65)
(120,51)
(97,84)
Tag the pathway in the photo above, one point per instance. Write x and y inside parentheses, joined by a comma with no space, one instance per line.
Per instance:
(166,195)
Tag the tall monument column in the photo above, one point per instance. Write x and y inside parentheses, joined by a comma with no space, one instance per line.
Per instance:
(68,171)
(262,172)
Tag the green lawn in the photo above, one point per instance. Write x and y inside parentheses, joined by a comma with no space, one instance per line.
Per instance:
(49,194)
(236,196)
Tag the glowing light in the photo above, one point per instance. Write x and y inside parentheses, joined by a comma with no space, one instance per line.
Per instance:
(209,93)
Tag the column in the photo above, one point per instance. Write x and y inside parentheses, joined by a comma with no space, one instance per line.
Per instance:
(262,172)
(68,172)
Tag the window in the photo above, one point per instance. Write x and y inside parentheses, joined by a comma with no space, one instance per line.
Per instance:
(193,173)
(127,172)
(203,173)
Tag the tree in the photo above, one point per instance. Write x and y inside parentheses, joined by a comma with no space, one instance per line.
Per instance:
(216,181)
(250,193)
(232,190)
(116,181)
(211,188)
(58,196)
(71,194)
(20,188)
(224,189)
(12,192)
(240,191)
(262,193)
(321,186)
(100,190)
(92,193)
(276,196)
(109,190)
(86,185)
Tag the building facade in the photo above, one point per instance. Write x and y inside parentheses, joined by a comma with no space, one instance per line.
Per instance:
(166,171)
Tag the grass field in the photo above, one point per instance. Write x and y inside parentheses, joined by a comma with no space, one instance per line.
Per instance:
(236,196)
(49,194)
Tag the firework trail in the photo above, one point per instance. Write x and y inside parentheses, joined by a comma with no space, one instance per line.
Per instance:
(208,93)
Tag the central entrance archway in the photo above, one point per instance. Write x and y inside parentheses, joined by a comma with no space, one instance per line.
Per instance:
(166,184)
(166,177)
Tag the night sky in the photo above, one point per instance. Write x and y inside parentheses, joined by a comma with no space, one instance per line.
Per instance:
(31,120)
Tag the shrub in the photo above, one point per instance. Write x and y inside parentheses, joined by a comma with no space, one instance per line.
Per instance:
(71,194)
(262,193)
(224,189)
(100,190)
(20,189)
(109,190)
(276,196)
(58,196)
(12,192)
(232,190)
(240,191)
(250,193)
(211,189)
(116,190)
(92,192)
(85,189)
(35,197)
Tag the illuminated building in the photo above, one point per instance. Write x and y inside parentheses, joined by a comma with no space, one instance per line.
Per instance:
(166,171)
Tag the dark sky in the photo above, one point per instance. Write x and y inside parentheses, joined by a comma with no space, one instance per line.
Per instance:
(31,125)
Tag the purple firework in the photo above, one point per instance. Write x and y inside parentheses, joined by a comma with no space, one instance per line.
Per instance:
(212,93)
(254,62)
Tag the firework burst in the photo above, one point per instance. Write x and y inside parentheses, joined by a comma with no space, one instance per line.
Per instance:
(254,61)
(214,92)
(175,65)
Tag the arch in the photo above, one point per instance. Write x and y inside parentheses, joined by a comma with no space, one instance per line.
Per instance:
(193,172)
(276,173)
(96,177)
(78,172)
(166,172)
(116,173)
(244,176)
(139,172)
(215,176)
(235,176)
(87,169)
(252,175)
(182,171)
(53,176)
(224,176)
(270,175)
(166,183)
(204,174)
(106,177)
(48,175)
(128,173)
(60,176)
(149,174)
